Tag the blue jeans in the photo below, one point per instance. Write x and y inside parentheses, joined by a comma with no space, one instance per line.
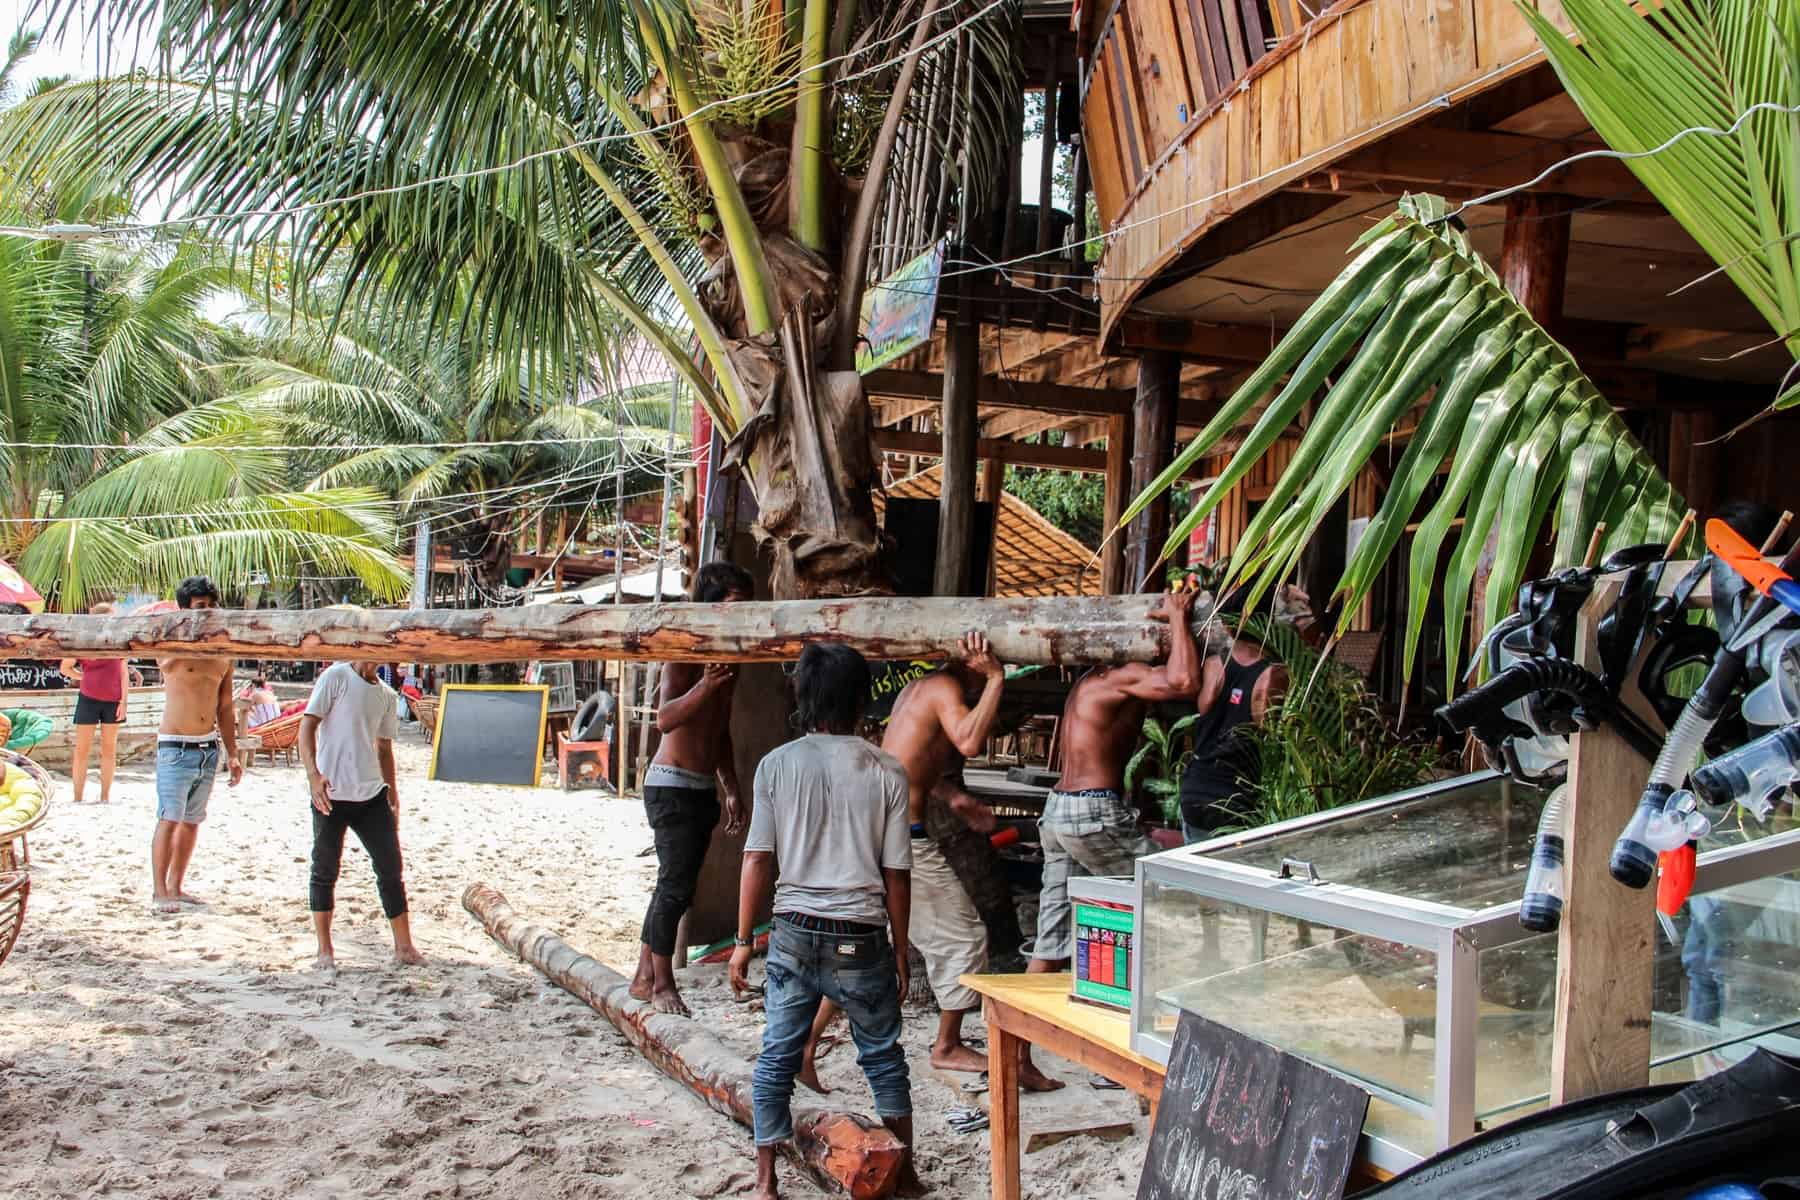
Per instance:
(856,973)
(184,781)
(1712,928)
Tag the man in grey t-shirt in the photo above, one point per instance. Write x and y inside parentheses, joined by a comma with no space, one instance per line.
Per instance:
(347,744)
(830,809)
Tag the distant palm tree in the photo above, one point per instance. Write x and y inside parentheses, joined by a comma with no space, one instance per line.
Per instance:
(103,348)
(525,171)
(391,405)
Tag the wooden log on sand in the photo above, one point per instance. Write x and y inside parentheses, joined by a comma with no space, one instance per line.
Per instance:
(1058,630)
(845,1151)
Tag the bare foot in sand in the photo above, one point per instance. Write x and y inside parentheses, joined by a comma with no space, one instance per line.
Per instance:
(668,1000)
(639,990)
(325,964)
(165,904)
(190,901)
(765,1194)
(408,956)
(910,1183)
(958,1058)
(1033,1080)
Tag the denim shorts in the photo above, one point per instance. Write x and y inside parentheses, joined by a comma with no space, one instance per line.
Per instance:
(184,781)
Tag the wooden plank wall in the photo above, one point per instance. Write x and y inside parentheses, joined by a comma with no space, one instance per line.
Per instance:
(1188,119)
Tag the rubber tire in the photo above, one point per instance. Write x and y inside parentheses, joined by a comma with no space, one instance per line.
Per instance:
(586,716)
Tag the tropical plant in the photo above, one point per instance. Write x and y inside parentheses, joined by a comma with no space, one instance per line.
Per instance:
(520,172)
(104,347)
(1418,316)
(393,406)
(1325,743)
(1157,765)
(1713,88)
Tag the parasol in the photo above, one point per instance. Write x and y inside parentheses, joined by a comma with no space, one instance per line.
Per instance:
(14,589)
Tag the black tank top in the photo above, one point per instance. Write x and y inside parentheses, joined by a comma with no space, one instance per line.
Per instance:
(1220,758)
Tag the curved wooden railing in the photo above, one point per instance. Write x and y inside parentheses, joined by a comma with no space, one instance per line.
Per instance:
(1175,144)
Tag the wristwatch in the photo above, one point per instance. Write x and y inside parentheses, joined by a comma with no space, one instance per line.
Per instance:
(745,941)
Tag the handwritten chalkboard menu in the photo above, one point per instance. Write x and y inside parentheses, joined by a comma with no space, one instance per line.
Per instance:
(1241,1120)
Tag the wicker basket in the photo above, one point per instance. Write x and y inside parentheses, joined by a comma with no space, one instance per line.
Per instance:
(14,853)
(14,888)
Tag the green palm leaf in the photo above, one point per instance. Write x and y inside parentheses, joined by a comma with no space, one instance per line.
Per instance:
(1642,76)
(1416,318)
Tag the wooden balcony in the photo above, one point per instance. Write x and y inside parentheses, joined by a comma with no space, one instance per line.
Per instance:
(1197,111)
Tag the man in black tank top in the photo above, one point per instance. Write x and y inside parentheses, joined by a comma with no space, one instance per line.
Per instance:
(1236,689)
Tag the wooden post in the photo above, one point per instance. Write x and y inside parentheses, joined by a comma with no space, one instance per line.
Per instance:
(956,509)
(993,486)
(621,748)
(1118,480)
(1152,450)
(1606,949)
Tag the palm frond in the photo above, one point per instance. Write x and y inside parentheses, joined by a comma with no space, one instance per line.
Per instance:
(1644,75)
(1418,314)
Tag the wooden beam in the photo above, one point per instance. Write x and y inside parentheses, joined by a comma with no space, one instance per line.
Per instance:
(1425,155)
(993,485)
(1017,454)
(1197,341)
(1077,631)
(845,1151)
(997,393)
(956,504)
(1020,423)
(1118,478)
(895,411)
(1152,450)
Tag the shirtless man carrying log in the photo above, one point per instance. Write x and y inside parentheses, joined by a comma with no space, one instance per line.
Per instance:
(197,717)
(932,729)
(1088,826)
(694,717)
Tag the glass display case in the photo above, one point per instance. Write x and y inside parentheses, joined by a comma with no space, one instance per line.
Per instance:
(1354,938)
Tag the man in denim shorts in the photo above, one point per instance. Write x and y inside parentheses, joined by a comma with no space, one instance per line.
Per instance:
(1088,826)
(831,809)
(197,718)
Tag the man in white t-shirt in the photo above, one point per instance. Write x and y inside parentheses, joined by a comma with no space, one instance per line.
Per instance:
(347,744)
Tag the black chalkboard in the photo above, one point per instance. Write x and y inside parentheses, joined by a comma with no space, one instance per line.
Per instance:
(1240,1118)
(490,734)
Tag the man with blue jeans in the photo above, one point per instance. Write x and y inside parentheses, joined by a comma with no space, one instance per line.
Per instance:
(831,809)
(197,717)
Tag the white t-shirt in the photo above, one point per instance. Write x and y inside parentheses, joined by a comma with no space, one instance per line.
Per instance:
(353,714)
(832,809)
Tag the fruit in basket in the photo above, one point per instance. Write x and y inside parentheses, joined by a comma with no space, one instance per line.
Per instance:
(24,786)
(13,774)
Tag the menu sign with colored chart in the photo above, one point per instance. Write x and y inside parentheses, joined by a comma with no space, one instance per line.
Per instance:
(1103,942)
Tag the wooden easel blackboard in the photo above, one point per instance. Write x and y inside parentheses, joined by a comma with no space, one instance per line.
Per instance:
(490,733)
(1240,1118)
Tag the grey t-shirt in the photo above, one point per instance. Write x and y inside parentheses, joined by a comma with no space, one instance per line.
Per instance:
(832,809)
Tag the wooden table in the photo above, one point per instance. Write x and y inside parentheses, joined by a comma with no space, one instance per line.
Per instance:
(1037,1009)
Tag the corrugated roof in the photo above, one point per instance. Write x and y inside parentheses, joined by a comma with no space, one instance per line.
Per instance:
(1032,556)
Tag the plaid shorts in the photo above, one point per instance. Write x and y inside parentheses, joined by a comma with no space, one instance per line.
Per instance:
(1091,832)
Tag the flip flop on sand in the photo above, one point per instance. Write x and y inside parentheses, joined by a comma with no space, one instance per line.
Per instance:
(827,1043)
(975,1086)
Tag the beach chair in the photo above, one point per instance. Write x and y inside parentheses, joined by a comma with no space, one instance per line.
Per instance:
(280,736)
(15,886)
(426,709)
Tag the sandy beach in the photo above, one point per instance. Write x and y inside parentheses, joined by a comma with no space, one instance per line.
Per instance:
(189,1056)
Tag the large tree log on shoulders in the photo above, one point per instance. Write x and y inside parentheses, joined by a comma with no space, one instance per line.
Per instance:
(845,1151)
(1067,631)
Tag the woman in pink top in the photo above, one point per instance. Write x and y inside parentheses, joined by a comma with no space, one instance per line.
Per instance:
(102,703)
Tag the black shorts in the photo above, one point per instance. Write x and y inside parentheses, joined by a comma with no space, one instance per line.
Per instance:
(89,711)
